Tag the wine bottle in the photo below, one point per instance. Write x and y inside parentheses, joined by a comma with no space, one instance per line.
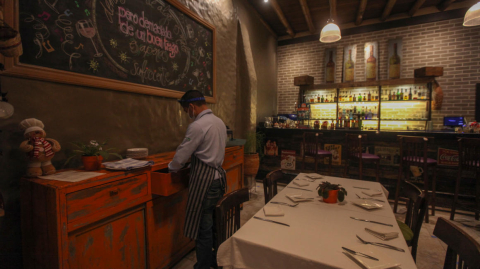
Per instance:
(350,98)
(405,95)
(349,68)
(330,70)
(322,100)
(365,97)
(369,96)
(354,98)
(360,97)
(410,94)
(371,66)
(401,94)
(394,68)
(335,98)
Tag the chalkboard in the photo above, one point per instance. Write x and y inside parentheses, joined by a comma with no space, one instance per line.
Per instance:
(150,46)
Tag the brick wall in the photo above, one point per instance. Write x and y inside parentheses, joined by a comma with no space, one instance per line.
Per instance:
(446,43)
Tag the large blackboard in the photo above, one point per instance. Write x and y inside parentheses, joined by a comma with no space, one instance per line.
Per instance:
(153,43)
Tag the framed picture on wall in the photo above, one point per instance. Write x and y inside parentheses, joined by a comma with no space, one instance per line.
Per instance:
(330,64)
(349,59)
(371,61)
(395,55)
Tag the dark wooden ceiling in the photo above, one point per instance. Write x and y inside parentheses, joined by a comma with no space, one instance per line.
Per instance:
(288,20)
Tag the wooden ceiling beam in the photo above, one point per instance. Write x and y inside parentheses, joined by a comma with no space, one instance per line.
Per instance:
(308,16)
(333,9)
(415,7)
(399,16)
(444,4)
(388,9)
(254,11)
(361,10)
(282,17)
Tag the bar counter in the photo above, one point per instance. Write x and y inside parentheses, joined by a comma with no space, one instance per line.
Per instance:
(383,143)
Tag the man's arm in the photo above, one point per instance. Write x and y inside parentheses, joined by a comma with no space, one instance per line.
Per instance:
(193,138)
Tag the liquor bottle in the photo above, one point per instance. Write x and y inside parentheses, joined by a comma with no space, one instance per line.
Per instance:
(335,99)
(322,100)
(420,96)
(415,94)
(354,98)
(349,68)
(394,68)
(363,113)
(371,66)
(326,99)
(360,97)
(365,97)
(330,70)
(405,95)
(318,98)
(350,98)
(390,96)
(410,94)
(400,94)
(354,109)
(375,113)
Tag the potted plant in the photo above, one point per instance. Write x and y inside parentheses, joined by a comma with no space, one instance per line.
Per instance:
(331,192)
(92,154)
(253,152)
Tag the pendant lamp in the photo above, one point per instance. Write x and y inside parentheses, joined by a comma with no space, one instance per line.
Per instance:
(472,17)
(330,33)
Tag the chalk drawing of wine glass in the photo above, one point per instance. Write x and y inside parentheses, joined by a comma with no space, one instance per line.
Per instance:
(86,29)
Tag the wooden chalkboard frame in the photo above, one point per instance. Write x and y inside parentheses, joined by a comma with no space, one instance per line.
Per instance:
(13,66)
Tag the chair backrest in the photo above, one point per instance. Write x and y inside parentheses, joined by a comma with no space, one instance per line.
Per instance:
(469,153)
(270,184)
(354,144)
(413,149)
(462,248)
(227,214)
(312,142)
(416,208)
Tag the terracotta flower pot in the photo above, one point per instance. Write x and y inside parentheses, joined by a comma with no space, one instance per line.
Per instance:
(92,163)
(332,197)
(252,163)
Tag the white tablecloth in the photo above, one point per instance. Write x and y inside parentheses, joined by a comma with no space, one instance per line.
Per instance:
(316,234)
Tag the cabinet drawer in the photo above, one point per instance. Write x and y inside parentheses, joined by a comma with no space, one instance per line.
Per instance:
(166,184)
(99,198)
(232,159)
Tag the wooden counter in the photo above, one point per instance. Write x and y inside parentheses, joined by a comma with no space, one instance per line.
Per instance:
(115,220)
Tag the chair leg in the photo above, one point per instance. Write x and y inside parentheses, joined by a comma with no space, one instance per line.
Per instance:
(455,197)
(377,172)
(330,166)
(477,198)
(303,161)
(316,164)
(345,170)
(425,186)
(397,190)
(360,170)
(434,184)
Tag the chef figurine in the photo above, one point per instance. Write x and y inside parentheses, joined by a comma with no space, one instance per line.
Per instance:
(40,150)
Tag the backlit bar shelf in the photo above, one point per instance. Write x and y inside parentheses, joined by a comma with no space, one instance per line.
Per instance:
(353,102)
(414,100)
(404,119)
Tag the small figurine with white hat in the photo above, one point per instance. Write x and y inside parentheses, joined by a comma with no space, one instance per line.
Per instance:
(40,150)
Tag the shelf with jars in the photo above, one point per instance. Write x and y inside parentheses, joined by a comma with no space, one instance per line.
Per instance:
(395,104)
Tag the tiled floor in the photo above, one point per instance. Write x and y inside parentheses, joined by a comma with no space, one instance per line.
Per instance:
(431,250)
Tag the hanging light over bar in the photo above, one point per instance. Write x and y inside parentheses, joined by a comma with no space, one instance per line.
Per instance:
(472,17)
(330,33)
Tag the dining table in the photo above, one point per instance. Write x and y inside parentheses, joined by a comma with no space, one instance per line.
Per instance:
(313,234)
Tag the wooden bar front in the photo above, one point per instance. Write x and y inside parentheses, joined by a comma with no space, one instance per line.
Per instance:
(116,220)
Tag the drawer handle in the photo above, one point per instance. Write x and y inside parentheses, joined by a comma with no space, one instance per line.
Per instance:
(114,192)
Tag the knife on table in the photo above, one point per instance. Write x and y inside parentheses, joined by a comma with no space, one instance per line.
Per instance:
(372,221)
(269,220)
(360,254)
(298,188)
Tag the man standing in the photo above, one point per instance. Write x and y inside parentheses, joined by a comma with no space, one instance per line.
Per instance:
(204,144)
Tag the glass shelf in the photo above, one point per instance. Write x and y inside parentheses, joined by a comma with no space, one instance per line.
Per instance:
(414,100)
(350,102)
(324,103)
(404,119)
(322,119)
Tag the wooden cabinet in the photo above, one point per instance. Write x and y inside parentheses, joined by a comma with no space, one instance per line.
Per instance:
(111,221)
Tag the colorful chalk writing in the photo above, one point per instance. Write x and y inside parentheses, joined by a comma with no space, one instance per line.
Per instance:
(45,16)
(50,48)
(87,12)
(79,46)
(68,13)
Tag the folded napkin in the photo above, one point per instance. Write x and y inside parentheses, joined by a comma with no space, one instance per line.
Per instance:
(127,164)
(300,183)
(314,176)
(272,210)
(372,193)
(382,234)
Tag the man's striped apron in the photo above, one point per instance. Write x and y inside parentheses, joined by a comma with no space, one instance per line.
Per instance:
(201,178)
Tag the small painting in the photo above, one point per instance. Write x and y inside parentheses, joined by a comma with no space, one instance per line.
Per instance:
(395,55)
(349,59)
(336,151)
(288,160)
(371,61)
(330,64)
(271,148)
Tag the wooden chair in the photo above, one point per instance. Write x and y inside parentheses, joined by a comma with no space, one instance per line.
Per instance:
(413,152)
(462,251)
(312,147)
(416,208)
(227,215)
(469,159)
(354,144)
(270,184)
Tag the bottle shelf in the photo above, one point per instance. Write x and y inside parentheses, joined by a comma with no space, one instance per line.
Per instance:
(322,119)
(414,100)
(404,119)
(320,103)
(351,102)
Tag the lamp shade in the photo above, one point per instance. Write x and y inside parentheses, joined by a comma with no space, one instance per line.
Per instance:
(472,17)
(330,33)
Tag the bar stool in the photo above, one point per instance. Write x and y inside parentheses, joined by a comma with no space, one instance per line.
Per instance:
(312,147)
(413,152)
(469,159)
(354,152)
